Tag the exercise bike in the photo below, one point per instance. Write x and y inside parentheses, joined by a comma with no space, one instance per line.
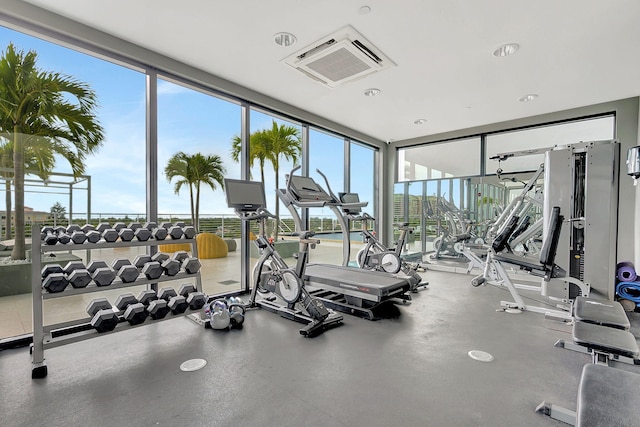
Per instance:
(271,274)
(376,256)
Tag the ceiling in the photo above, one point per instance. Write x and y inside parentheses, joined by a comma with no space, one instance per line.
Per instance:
(572,53)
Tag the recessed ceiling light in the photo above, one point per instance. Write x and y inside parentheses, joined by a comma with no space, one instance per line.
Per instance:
(506,49)
(284,39)
(420,121)
(372,92)
(528,98)
(364,10)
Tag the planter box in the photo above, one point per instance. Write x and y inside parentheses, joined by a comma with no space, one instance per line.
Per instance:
(15,279)
(286,248)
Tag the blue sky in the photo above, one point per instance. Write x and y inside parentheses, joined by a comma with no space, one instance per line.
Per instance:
(189,121)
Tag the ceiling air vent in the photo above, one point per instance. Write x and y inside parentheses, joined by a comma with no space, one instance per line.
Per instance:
(339,58)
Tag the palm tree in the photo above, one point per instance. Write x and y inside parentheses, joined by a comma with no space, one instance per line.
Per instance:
(271,144)
(38,159)
(40,106)
(258,150)
(282,140)
(194,171)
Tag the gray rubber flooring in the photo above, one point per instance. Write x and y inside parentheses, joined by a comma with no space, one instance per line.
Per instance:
(413,370)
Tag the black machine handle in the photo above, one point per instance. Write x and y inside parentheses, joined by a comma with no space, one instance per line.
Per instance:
(260,213)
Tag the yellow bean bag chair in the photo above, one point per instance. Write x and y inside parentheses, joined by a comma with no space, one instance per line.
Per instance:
(175,247)
(211,246)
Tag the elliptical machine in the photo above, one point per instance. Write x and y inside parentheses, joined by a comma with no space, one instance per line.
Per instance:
(376,256)
(271,274)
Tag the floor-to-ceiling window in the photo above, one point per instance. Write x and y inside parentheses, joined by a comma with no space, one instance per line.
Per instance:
(115,183)
(458,199)
(326,153)
(198,128)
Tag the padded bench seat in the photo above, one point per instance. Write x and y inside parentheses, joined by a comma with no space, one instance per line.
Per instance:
(602,338)
(601,312)
(608,397)
(523,262)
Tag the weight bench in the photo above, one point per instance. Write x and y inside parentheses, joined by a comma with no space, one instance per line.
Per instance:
(601,329)
(606,397)
(546,268)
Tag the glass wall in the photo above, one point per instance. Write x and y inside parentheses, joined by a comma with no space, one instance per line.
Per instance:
(276,148)
(445,159)
(456,201)
(543,137)
(115,176)
(326,153)
(194,126)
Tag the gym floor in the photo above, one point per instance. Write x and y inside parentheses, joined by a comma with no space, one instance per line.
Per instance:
(411,370)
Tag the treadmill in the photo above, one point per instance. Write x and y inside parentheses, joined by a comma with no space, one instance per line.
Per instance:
(362,293)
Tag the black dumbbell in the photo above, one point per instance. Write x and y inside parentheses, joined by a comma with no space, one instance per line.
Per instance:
(93,236)
(134,225)
(72,227)
(87,228)
(159,233)
(152,270)
(125,300)
(79,278)
(126,234)
(160,257)
(191,265)
(103,317)
(178,304)
(135,314)
(166,225)
(140,260)
(171,267)
(175,232)
(142,234)
(158,309)
(101,273)
(189,232)
(180,256)
(145,297)
(151,225)
(78,237)
(195,300)
(102,227)
(166,293)
(55,282)
(110,235)
(51,268)
(50,236)
(61,234)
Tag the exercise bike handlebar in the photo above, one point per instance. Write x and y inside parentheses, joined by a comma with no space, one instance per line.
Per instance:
(260,213)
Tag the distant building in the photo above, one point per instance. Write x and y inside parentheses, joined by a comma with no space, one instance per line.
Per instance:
(29,216)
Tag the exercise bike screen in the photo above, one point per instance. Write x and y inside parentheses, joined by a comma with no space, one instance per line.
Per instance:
(244,195)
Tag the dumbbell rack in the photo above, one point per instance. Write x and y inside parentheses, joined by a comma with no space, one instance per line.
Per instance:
(44,337)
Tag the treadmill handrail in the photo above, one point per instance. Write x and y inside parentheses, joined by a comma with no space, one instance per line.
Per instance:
(339,201)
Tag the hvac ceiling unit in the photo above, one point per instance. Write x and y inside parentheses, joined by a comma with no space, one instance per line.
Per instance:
(339,58)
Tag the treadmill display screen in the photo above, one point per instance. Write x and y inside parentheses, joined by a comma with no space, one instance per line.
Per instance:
(305,188)
(244,195)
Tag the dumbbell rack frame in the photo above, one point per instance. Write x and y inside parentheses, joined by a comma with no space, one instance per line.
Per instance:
(44,336)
